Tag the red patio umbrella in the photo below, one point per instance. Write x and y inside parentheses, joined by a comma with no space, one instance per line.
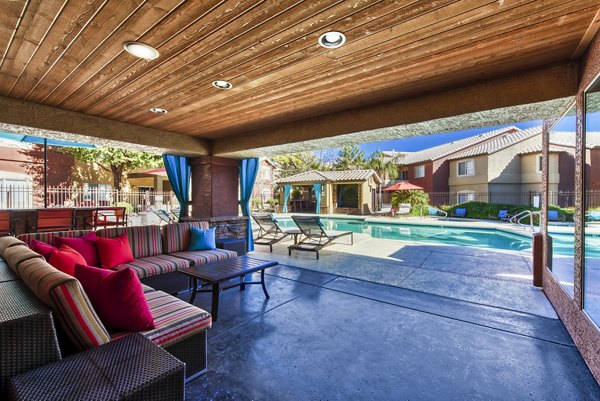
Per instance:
(401,186)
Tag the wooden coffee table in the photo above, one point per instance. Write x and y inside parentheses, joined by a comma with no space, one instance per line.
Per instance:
(224,270)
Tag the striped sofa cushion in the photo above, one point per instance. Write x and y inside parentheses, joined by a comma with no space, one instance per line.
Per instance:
(15,255)
(175,319)
(154,265)
(203,257)
(144,240)
(176,237)
(7,242)
(65,296)
(49,236)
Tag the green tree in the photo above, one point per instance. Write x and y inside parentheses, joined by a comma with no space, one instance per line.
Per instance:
(350,158)
(295,163)
(383,165)
(115,160)
(418,199)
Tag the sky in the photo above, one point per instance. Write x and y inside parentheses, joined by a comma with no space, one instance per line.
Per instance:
(416,143)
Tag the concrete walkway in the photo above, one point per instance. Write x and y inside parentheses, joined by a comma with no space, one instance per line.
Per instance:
(488,277)
(325,337)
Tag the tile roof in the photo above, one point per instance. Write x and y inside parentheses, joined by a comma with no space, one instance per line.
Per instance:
(567,138)
(538,149)
(499,143)
(437,152)
(322,176)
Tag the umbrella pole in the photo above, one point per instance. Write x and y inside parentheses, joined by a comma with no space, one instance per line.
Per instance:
(45,173)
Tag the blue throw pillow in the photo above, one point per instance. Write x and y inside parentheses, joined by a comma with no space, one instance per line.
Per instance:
(202,240)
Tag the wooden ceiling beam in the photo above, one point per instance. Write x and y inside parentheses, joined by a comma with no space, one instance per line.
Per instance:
(527,88)
(27,114)
(300,81)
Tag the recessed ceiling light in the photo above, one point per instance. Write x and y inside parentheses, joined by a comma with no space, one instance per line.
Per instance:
(222,84)
(158,110)
(141,50)
(331,40)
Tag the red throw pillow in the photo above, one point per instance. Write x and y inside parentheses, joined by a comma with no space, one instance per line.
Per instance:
(117,297)
(65,258)
(42,248)
(85,245)
(114,251)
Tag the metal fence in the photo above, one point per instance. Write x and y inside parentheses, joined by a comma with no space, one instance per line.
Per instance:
(558,198)
(26,197)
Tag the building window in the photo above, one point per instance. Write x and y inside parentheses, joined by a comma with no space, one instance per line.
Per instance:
(465,168)
(266,174)
(347,195)
(465,196)
(419,171)
(403,175)
(266,194)
(539,164)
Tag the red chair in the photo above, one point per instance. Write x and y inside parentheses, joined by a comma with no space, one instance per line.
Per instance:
(109,217)
(55,220)
(5,222)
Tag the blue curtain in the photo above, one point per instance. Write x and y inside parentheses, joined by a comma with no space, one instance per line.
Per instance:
(317,188)
(248,172)
(179,173)
(287,189)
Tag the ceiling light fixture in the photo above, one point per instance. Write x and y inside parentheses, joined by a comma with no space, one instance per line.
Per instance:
(222,85)
(332,40)
(158,110)
(141,50)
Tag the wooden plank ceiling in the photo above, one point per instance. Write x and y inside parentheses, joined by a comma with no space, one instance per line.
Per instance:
(69,54)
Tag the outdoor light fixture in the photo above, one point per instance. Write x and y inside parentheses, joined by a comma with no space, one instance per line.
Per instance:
(331,40)
(158,110)
(141,50)
(222,85)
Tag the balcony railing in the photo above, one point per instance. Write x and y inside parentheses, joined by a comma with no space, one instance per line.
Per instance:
(26,197)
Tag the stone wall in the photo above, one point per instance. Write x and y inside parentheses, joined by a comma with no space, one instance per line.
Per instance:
(229,227)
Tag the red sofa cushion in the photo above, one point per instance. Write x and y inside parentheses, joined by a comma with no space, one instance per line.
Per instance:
(117,297)
(114,251)
(85,245)
(64,258)
(42,248)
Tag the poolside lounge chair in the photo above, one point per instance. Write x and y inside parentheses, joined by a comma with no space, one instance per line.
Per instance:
(553,215)
(435,212)
(164,216)
(269,232)
(593,216)
(315,236)
(404,208)
(460,212)
(502,216)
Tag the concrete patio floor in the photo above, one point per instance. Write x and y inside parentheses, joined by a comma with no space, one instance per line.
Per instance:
(414,322)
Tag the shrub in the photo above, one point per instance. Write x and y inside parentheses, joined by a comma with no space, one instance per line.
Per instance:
(417,199)
(128,207)
(483,210)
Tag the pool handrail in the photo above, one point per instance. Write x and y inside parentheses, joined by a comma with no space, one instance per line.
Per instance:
(516,219)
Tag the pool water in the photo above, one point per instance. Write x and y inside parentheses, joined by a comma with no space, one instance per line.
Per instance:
(482,238)
(432,234)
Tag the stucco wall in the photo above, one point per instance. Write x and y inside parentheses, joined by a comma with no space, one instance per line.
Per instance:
(531,177)
(478,179)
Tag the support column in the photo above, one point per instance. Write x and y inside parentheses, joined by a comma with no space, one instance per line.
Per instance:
(215,187)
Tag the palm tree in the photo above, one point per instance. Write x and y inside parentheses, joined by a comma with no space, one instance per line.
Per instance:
(350,158)
(386,167)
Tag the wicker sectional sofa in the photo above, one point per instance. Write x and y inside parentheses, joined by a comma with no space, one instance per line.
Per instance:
(180,327)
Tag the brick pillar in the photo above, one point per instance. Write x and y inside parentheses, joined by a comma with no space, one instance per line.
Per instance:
(215,187)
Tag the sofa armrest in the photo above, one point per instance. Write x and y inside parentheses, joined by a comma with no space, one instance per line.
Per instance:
(131,368)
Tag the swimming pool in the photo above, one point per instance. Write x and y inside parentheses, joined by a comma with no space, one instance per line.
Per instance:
(433,234)
(482,238)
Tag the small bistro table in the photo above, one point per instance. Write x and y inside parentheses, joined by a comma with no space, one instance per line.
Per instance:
(224,270)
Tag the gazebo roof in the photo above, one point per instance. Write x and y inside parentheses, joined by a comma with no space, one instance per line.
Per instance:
(330,176)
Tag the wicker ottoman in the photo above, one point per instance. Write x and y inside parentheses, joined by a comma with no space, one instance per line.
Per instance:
(131,368)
